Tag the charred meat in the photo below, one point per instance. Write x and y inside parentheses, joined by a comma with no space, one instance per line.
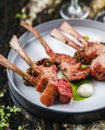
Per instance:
(98,67)
(74,71)
(59,87)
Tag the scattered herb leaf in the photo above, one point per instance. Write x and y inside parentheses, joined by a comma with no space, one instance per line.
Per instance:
(2,94)
(86,38)
(83,66)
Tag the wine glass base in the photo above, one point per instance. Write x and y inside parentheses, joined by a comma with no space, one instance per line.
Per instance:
(66,14)
(100,16)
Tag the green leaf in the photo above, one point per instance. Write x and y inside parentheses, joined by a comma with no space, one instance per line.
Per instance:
(83,66)
(86,38)
(23,16)
(18,15)
(2,94)
(8,114)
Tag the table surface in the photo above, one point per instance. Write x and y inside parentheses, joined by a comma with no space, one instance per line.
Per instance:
(10,25)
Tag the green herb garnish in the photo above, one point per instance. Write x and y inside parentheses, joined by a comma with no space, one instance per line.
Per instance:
(86,38)
(83,66)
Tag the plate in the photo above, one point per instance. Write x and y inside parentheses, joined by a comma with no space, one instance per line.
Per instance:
(75,111)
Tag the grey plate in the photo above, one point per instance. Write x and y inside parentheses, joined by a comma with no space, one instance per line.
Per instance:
(75,111)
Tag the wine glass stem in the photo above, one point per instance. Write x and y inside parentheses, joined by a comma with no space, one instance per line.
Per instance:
(74,3)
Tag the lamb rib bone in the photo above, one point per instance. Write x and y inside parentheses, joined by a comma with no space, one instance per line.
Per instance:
(6,63)
(15,45)
(70,30)
(56,57)
(60,36)
(36,34)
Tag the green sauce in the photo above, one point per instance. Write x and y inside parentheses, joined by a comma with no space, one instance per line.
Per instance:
(75,86)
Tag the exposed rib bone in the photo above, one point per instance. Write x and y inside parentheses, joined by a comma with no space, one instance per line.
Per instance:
(33,30)
(56,57)
(4,62)
(70,30)
(15,45)
(60,36)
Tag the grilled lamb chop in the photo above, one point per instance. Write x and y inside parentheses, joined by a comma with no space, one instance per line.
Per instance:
(4,62)
(74,71)
(46,77)
(59,58)
(90,50)
(41,70)
(55,57)
(87,52)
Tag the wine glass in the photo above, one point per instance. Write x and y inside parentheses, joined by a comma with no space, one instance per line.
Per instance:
(73,9)
(100,16)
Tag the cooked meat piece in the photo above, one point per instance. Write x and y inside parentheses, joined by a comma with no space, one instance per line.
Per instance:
(42,83)
(49,94)
(98,67)
(92,51)
(49,73)
(74,71)
(59,58)
(65,91)
(59,87)
(88,51)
